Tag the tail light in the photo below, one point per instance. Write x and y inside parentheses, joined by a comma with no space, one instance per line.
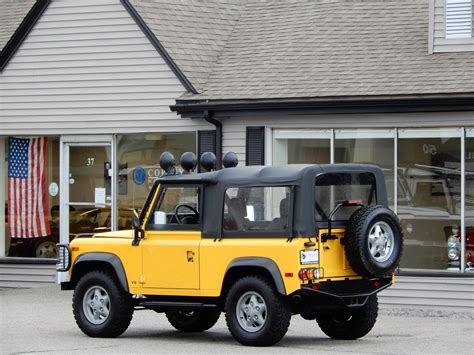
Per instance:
(309,274)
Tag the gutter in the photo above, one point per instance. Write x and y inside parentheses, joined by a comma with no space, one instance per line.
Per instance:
(347,105)
(208,117)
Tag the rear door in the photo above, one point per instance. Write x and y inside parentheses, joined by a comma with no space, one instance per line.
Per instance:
(331,189)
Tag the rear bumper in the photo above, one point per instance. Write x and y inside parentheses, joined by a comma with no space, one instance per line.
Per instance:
(341,294)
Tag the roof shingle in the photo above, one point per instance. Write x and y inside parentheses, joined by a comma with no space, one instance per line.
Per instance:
(12,13)
(302,48)
(193,32)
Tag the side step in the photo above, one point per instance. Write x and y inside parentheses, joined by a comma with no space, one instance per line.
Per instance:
(162,306)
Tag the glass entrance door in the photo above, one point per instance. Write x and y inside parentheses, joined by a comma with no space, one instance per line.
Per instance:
(88,193)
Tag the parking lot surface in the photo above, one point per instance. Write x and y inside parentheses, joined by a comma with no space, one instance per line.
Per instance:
(38,321)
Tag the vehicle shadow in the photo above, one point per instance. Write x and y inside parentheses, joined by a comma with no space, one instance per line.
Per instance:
(223,337)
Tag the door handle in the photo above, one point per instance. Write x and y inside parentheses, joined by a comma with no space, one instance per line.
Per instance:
(190,256)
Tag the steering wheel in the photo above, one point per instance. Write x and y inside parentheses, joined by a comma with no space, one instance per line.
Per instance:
(178,207)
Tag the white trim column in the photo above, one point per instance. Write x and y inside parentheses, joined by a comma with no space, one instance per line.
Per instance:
(3,196)
(463,201)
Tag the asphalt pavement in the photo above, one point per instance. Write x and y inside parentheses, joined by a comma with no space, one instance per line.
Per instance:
(40,321)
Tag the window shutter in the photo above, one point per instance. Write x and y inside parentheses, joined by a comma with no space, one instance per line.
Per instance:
(206,143)
(458,18)
(255,146)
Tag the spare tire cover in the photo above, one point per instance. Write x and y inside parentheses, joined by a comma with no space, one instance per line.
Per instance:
(373,241)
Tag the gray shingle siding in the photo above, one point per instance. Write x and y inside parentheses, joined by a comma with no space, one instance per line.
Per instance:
(320,49)
(11,15)
(193,32)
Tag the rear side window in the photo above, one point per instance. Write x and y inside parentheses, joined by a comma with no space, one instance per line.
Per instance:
(334,188)
(263,209)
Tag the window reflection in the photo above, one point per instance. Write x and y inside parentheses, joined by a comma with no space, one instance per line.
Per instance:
(138,161)
(301,147)
(469,202)
(366,147)
(429,199)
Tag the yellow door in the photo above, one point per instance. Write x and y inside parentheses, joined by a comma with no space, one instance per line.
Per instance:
(171,259)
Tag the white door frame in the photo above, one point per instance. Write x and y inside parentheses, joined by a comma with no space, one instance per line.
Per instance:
(77,141)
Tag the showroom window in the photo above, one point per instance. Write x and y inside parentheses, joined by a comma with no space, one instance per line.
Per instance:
(368,147)
(468,240)
(138,157)
(30,189)
(301,147)
(429,208)
(434,199)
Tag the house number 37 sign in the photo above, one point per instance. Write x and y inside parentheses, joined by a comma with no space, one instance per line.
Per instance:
(90,161)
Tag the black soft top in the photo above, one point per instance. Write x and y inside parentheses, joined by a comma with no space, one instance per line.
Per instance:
(300,176)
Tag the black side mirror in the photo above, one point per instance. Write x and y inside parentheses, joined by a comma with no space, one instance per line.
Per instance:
(135,219)
(137,231)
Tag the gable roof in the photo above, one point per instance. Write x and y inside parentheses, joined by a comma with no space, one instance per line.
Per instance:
(315,49)
(192,32)
(17,17)
(12,13)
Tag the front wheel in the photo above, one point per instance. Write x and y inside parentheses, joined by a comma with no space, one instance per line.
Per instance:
(350,324)
(100,307)
(193,321)
(255,313)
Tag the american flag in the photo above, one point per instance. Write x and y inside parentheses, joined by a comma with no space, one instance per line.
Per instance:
(27,204)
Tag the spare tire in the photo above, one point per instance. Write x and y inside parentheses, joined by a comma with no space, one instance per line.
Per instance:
(373,241)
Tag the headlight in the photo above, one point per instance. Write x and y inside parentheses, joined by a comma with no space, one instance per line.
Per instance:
(64,257)
(453,254)
(453,242)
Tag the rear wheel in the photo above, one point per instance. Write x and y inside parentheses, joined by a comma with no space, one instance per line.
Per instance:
(256,314)
(373,241)
(350,324)
(193,321)
(100,307)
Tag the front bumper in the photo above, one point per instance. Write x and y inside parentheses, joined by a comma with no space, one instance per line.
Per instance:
(342,294)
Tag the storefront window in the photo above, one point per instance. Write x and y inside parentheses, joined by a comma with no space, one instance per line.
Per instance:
(368,147)
(469,201)
(31,188)
(301,147)
(429,197)
(139,165)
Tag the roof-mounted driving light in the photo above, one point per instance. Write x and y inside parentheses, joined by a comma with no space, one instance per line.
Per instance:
(230,160)
(208,161)
(188,162)
(168,163)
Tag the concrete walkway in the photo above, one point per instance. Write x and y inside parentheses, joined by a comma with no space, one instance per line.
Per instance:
(37,321)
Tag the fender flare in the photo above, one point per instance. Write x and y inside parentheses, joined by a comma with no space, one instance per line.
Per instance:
(264,263)
(109,258)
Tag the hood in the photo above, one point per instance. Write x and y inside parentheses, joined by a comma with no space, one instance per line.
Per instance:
(123,234)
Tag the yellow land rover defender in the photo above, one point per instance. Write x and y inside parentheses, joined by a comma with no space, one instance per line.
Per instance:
(259,243)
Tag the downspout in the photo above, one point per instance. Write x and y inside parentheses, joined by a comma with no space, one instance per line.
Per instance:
(218,125)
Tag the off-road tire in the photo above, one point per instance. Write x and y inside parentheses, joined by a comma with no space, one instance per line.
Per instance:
(356,241)
(350,324)
(196,321)
(121,306)
(278,312)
